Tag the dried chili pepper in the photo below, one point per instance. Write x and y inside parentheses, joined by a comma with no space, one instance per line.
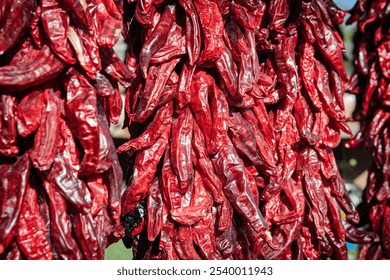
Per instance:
(31,71)
(31,234)
(13,27)
(157,38)
(61,177)
(45,141)
(81,108)
(14,179)
(8,141)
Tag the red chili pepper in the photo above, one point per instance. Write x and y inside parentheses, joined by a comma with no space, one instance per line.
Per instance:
(45,141)
(203,231)
(192,31)
(61,128)
(241,14)
(306,73)
(157,77)
(370,80)
(204,165)
(236,187)
(81,108)
(113,180)
(113,105)
(108,20)
(171,193)
(29,113)
(184,246)
(237,131)
(200,105)
(212,30)
(106,150)
(65,181)
(142,177)
(31,71)
(8,140)
(183,95)
(145,11)
(220,113)
(174,46)
(182,130)
(58,37)
(79,10)
(228,71)
(278,11)
(166,244)
(162,118)
(157,38)
(155,210)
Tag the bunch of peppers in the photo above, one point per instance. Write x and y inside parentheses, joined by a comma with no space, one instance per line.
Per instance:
(234,108)
(371,83)
(60,178)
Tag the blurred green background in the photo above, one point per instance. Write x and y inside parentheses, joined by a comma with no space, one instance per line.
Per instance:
(118,251)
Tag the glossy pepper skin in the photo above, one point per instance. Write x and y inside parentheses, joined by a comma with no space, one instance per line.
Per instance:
(14,27)
(370,81)
(232,127)
(61,179)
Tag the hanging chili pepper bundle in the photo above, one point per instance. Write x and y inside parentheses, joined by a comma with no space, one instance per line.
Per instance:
(233,110)
(60,178)
(371,83)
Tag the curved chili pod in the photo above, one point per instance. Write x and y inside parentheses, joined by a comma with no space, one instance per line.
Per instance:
(65,181)
(8,124)
(45,141)
(15,20)
(29,112)
(99,193)
(91,233)
(14,179)
(220,114)
(174,46)
(157,38)
(58,36)
(184,246)
(192,31)
(154,85)
(31,233)
(200,104)
(81,109)
(239,130)
(144,11)
(205,167)
(155,210)
(183,95)
(113,179)
(79,10)
(182,130)
(236,187)
(143,177)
